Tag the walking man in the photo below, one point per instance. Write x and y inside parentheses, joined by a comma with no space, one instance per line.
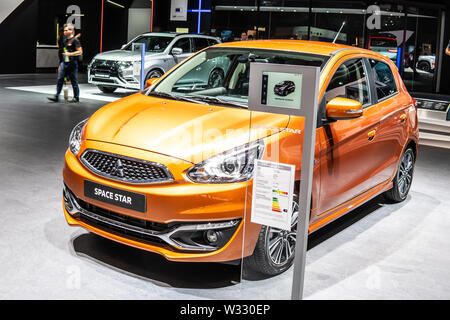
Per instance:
(71,51)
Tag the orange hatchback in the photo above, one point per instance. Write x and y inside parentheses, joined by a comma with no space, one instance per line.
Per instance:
(169,169)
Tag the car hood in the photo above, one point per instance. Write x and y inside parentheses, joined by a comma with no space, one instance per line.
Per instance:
(123,55)
(428,57)
(188,131)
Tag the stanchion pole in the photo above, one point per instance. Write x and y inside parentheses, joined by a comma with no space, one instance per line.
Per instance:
(142,66)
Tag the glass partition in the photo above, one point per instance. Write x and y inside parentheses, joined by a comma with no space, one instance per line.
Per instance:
(342,22)
(238,20)
(286,20)
(420,59)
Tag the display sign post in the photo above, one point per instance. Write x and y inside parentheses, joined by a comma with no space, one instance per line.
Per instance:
(139,66)
(290,90)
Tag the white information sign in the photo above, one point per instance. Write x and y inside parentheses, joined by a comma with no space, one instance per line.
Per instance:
(273,188)
(178,10)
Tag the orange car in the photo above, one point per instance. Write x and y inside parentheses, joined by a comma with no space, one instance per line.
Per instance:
(169,169)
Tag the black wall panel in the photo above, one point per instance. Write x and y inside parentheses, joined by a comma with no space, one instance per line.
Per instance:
(18,36)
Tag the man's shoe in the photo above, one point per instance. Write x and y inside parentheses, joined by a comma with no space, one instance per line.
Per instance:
(53,98)
(75,100)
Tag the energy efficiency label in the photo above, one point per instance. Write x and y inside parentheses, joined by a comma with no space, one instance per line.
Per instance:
(273,188)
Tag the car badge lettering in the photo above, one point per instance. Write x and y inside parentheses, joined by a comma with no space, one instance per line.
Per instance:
(275,129)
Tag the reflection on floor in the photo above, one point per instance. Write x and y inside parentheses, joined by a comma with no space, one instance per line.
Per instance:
(87,91)
(379,251)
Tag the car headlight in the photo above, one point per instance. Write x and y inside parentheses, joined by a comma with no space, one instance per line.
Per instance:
(235,165)
(75,137)
(91,63)
(124,64)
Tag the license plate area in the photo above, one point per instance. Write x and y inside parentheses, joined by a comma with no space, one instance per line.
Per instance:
(118,197)
(102,75)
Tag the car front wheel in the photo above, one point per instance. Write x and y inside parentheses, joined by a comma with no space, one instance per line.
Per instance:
(107,89)
(155,73)
(216,78)
(275,248)
(424,66)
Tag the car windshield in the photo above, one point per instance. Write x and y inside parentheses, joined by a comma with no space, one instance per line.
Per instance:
(221,75)
(152,43)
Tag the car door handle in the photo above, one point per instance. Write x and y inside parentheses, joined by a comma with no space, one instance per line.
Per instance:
(371,135)
(402,118)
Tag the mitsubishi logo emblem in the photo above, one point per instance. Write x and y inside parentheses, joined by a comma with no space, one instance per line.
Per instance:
(118,169)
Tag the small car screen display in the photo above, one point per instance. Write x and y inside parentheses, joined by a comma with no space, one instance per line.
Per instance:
(281,89)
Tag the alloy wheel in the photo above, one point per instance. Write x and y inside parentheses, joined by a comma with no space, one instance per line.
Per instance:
(280,244)
(405,172)
(154,74)
(215,78)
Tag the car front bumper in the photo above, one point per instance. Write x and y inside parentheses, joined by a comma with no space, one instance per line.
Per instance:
(112,77)
(178,213)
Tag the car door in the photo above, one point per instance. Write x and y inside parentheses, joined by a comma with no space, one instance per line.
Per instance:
(183,43)
(349,155)
(393,107)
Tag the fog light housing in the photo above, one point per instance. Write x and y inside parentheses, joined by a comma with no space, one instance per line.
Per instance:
(69,203)
(204,236)
(212,237)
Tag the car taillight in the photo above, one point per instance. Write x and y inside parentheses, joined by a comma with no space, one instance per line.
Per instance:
(393,50)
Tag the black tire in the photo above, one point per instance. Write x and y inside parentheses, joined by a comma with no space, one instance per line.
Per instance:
(403,178)
(154,73)
(216,78)
(283,244)
(107,89)
(424,66)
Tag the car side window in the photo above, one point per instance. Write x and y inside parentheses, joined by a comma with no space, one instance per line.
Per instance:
(183,43)
(212,42)
(200,43)
(349,81)
(384,79)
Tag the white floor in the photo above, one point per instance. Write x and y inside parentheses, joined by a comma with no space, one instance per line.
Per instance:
(87,91)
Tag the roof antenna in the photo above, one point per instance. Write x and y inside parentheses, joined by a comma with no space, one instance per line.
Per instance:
(343,24)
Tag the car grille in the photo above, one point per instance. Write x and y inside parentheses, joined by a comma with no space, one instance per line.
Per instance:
(125,169)
(105,68)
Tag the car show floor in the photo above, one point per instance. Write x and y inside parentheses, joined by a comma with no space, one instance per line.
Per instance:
(378,251)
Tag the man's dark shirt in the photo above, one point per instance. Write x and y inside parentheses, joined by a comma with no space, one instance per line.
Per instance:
(72,45)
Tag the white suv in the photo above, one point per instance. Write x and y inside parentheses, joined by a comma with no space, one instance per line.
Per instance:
(116,69)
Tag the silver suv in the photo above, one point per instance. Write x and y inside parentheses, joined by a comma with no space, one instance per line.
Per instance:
(119,68)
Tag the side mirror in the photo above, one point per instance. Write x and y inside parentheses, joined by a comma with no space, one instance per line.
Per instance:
(343,108)
(176,51)
(150,82)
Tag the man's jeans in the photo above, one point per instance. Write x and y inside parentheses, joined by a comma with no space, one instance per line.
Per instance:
(69,70)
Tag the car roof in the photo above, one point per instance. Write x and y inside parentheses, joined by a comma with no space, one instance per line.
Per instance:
(313,47)
(174,34)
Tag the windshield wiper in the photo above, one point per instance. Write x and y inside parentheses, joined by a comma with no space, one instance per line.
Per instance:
(219,101)
(173,96)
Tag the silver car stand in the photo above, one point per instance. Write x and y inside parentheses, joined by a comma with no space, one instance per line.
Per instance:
(259,94)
